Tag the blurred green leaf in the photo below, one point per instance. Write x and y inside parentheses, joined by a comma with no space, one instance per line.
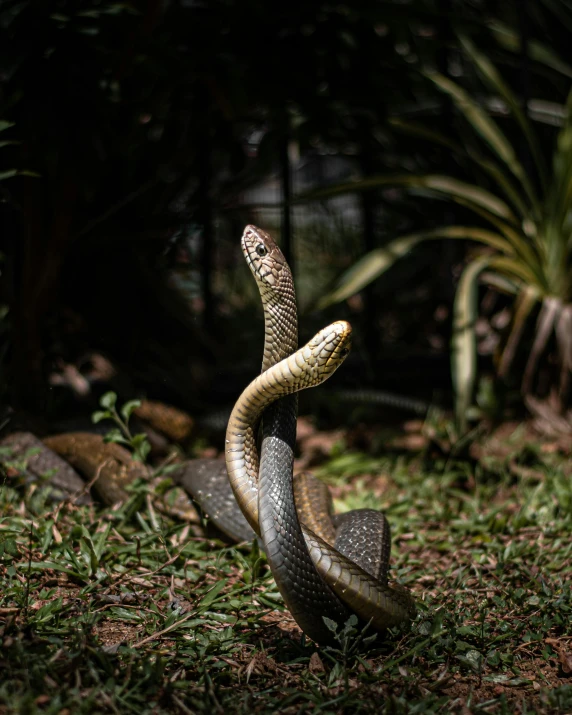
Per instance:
(115,435)
(492,169)
(443,186)
(496,82)
(538,51)
(8,546)
(486,128)
(141,447)
(108,400)
(463,342)
(525,301)
(375,263)
(128,407)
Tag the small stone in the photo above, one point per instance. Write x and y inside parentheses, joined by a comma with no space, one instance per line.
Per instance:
(316,665)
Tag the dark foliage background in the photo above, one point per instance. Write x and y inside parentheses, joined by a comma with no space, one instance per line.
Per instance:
(138,139)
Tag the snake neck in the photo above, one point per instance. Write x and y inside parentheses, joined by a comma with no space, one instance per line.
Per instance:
(280,325)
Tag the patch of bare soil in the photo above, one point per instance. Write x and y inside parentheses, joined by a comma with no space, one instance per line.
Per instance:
(114,633)
(521,693)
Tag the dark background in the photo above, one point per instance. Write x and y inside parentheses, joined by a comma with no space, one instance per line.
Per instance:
(139,138)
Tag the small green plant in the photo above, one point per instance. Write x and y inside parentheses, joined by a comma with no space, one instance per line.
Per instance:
(351,640)
(121,434)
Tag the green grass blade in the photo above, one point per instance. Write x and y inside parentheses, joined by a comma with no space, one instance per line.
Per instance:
(100,542)
(212,595)
(463,342)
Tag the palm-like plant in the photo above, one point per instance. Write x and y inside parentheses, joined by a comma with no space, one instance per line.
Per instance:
(529,233)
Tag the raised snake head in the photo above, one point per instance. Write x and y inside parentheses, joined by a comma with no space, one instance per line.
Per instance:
(266,260)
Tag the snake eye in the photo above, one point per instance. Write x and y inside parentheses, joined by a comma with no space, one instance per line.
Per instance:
(261,249)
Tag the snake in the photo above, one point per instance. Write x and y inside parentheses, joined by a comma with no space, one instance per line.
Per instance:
(320,570)
(323,565)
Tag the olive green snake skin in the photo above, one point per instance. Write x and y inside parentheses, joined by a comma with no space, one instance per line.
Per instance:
(320,570)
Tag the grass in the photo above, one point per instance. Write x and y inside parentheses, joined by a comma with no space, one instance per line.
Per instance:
(126,610)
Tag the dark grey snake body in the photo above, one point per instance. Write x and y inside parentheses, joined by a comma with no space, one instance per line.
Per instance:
(315,578)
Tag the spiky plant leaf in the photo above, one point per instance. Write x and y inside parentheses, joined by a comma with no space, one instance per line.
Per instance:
(493,78)
(378,261)
(463,342)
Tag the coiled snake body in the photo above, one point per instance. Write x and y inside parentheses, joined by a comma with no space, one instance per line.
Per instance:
(315,578)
